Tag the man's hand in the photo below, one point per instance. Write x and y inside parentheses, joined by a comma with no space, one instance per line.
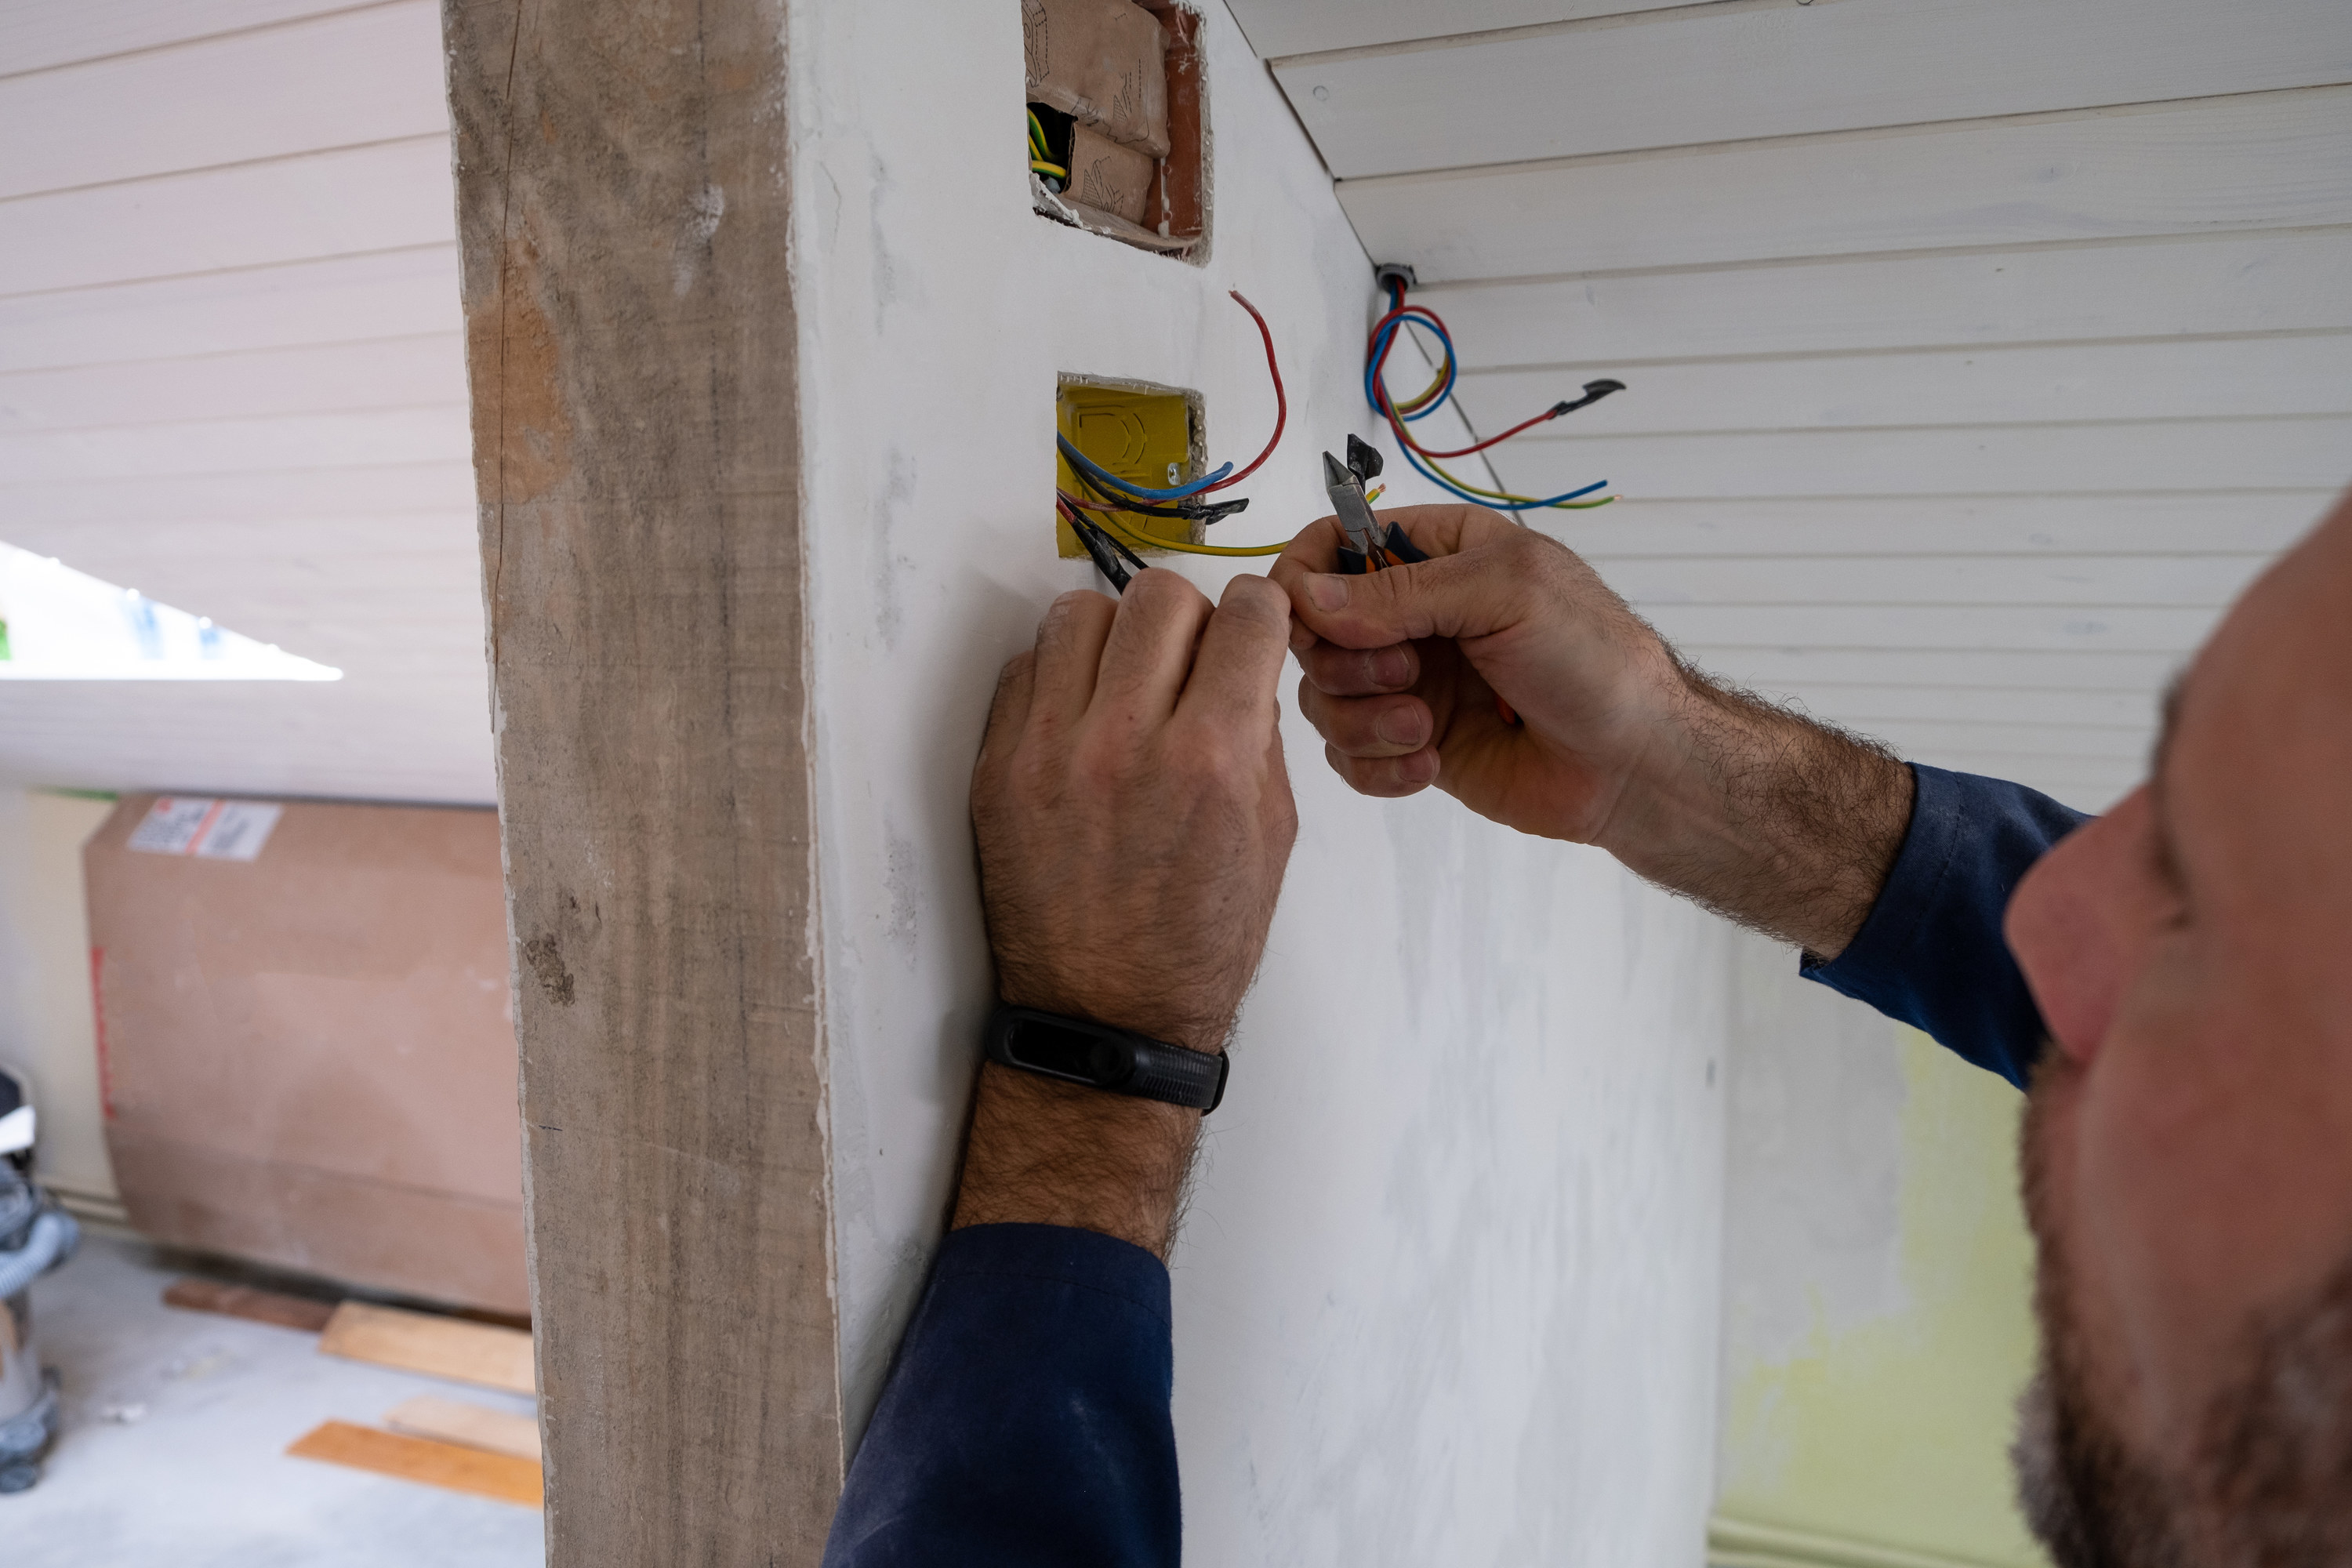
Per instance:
(1778,822)
(1133,820)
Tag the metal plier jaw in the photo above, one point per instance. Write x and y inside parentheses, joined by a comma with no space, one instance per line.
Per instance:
(1370,547)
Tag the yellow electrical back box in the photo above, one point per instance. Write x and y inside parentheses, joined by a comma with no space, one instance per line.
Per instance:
(1147,435)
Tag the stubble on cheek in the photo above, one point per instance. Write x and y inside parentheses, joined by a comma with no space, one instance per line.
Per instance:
(2092,1502)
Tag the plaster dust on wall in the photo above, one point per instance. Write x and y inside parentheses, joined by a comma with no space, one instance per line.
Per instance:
(1448,1288)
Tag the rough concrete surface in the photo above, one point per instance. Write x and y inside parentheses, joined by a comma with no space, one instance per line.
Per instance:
(175,1447)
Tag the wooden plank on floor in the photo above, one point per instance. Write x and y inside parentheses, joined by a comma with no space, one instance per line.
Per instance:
(474,1426)
(193,1295)
(451,1465)
(438,1347)
(1732,73)
(2276,160)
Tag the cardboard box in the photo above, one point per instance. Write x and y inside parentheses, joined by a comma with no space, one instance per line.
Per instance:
(1104,63)
(1109,177)
(306,1039)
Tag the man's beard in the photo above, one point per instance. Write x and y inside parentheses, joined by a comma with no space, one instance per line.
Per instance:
(2268,1480)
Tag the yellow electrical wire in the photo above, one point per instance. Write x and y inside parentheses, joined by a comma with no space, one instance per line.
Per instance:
(1507,495)
(1153,542)
(1039,166)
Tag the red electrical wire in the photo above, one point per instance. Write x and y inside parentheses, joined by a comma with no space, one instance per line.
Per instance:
(1281,404)
(1399,312)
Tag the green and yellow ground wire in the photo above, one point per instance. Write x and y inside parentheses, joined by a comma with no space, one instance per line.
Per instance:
(1041,151)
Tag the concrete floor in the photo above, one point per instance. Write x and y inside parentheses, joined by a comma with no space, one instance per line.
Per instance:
(174,1444)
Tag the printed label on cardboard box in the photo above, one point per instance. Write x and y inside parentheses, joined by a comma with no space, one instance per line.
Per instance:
(208,828)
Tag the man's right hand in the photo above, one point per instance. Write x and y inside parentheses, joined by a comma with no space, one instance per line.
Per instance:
(1403,667)
(1782,824)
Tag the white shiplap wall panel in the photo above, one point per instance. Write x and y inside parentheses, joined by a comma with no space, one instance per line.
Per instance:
(1736,73)
(398,736)
(1876,705)
(396,372)
(2022,527)
(1962,580)
(36,34)
(51,512)
(231,375)
(2010,459)
(384,436)
(2119,746)
(1803,663)
(299,208)
(2162,286)
(345,299)
(2007,384)
(2263,161)
(370,75)
(1280,27)
(2124,628)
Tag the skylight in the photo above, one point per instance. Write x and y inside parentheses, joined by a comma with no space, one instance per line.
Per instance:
(58,624)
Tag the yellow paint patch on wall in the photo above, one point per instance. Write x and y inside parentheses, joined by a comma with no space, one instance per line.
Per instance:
(1895,1432)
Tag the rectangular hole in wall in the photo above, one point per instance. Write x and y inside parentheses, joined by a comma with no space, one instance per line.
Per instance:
(1119,144)
(1150,436)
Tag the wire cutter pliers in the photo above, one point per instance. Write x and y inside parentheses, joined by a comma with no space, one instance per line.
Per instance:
(1368,547)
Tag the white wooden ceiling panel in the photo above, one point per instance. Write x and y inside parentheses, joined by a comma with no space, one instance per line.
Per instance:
(1865,704)
(1804,663)
(37,34)
(2267,161)
(397,373)
(1732,73)
(2224,521)
(376,438)
(47,511)
(343,298)
(370,737)
(2124,628)
(2178,284)
(2119,746)
(368,75)
(2206,581)
(255,215)
(2175,379)
(2197,455)
(1277,27)
(232,549)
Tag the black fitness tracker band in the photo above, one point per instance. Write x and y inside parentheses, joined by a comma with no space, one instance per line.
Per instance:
(1099,1056)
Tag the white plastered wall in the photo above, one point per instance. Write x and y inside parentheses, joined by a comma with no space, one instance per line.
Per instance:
(48,1029)
(1448,1289)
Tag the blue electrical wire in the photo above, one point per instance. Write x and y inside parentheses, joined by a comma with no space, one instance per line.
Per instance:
(1489,502)
(1379,351)
(1445,392)
(1087,467)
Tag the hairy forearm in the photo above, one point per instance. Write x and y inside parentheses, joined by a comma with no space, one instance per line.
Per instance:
(1042,1153)
(1785,824)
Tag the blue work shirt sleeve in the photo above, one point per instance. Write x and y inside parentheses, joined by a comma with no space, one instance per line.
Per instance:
(1931,953)
(1026,1421)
